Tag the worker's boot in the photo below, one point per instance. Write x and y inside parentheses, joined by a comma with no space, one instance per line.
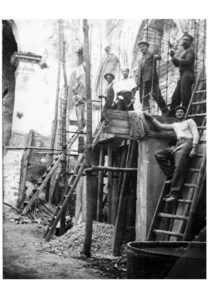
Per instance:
(172,197)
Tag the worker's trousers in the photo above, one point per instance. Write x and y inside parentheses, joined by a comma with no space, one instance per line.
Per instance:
(125,104)
(147,88)
(80,114)
(174,162)
(183,91)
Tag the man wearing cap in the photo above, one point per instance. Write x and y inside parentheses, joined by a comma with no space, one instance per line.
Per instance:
(174,160)
(109,92)
(125,90)
(148,79)
(185,63)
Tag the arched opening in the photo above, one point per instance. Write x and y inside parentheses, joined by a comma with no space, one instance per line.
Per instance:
(9,46)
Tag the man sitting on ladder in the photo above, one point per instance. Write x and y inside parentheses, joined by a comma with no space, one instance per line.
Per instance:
(174,160)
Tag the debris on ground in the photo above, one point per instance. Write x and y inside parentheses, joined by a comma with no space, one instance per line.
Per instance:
(71,244)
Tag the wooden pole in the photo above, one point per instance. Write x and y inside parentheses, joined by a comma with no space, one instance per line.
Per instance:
(122,163)
(55,121)
(121,213)
(100,185)
(109,176)
(54,128)
(89,207)
(64,115)
(113,169)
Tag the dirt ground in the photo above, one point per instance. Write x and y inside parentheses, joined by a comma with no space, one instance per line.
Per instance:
(22,258)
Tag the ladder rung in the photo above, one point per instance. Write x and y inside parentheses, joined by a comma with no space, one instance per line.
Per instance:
(202,79)
(199,102)
(200,91)
(201,127)
(164,232)
(193,170)
(202,142)
(197,115)
(184,201)
(167,181)
(190,185)
(170,216)
(199,155)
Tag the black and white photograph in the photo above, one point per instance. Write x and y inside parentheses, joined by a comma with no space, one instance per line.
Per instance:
(104,148)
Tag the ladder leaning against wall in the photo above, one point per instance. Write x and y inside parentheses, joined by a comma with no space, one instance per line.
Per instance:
(174,221)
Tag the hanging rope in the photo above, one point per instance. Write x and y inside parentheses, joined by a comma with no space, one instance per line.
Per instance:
(101,81)
(154,63)
(167,64)
(147,38)
(159,69)
(204,46)
(188,24)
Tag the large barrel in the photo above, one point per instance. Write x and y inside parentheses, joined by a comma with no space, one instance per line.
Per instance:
(158,260)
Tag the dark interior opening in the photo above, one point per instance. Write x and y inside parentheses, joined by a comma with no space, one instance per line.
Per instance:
(9,46)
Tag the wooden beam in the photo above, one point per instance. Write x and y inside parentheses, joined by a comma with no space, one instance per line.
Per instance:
(100,185)
(113,169)
(89,214)
(109,180)
(121,213)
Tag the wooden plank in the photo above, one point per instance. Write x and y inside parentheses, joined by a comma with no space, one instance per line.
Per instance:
(24,168)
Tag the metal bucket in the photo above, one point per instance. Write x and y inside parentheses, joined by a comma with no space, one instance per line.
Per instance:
(158,260)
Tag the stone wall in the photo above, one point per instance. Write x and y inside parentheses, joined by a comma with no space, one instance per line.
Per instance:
(11,176)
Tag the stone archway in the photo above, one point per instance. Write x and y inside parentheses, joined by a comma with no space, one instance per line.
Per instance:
(9,46)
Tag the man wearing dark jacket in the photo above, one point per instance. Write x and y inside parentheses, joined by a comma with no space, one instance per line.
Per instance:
(109,93)
(148,79)
(185,63)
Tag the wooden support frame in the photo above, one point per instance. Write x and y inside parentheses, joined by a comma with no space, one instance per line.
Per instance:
(122,205)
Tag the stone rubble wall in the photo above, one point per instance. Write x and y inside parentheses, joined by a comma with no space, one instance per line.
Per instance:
(11,175)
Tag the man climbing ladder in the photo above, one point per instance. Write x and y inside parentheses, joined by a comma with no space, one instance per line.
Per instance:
(174,160)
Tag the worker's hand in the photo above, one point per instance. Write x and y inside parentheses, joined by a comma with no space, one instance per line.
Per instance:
(157,56)
(76,97)
(120,97)
(114,104)
(193,152)
(101,96)
(171,53)
(146,114)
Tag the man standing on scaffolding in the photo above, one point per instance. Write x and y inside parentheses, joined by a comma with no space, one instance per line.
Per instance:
(148,79)
(185,62)
(125,90)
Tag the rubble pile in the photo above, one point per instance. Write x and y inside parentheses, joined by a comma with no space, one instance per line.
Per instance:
(71,243)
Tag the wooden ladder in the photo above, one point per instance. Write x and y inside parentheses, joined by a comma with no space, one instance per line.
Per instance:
(46,176)
(174,221)
(78,171)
